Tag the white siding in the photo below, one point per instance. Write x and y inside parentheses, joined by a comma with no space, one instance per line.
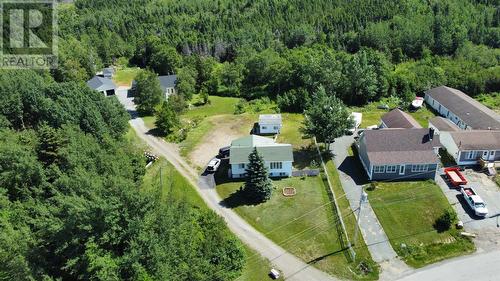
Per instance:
(450,145)
(269,129)
(445,112)
(285,171)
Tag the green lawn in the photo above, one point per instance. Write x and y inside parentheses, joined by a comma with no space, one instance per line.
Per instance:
(195,136)
(290,132)
(217,106)
(422,116)
(407,212)
(124,76)
(306,224)
(175,185)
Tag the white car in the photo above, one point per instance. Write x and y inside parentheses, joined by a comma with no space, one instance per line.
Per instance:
(213,165)
(275,274)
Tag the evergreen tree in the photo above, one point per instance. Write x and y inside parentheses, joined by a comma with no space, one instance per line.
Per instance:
(258,186)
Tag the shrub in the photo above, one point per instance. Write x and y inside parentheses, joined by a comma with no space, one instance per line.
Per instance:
(444,222)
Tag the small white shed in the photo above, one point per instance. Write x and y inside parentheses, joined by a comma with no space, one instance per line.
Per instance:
(270,123)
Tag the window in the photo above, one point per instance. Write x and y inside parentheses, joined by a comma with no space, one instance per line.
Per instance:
(378,169)
(485,154)
(276,165)
(276,127)
(391,168)
(241,166)
(419,168)
(471,155)
(264,127)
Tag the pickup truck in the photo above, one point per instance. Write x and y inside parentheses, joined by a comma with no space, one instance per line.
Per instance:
(475,202)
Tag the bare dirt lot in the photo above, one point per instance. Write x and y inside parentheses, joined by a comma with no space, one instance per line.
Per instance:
(226,128)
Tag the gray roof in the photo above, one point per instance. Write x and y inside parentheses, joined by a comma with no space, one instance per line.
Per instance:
(270,119)
(477,139)
(99,83)
(396,118)
(472,112)
(443,124)
(167,81)
(108,70)
(400,146)
(270,151)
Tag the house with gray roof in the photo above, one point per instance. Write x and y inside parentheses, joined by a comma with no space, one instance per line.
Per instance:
(397,118)
(103,85)
(461,109)
(468,147)
(399,154)
(441,124)
(167,84)
(270,123)
(278,157)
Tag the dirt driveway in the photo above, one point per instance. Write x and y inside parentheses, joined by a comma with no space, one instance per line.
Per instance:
(226,128)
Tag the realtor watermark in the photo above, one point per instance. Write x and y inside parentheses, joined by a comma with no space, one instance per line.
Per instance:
(29,34)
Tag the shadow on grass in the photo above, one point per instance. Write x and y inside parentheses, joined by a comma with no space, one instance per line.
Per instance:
(237,199)
(305,157)
(320,258)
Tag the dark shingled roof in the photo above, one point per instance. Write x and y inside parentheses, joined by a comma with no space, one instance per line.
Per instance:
(396,118)
(397,146)
(472,112)
(443,124)
(477,139)
(99,83)
(167,81)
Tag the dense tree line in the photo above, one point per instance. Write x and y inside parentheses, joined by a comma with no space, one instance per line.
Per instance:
(359,51)
(70,203)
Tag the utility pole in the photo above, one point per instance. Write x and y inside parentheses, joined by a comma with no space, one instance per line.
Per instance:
(362,199)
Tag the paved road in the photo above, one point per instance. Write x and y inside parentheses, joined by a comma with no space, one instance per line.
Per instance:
(292,267)
(479,267)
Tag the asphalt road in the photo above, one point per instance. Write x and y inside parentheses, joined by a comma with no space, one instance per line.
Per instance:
(292,267)
(479,267)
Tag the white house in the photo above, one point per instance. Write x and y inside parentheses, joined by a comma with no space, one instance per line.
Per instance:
(464,111)
(278,157)
(270,123)
(168,83)
(467,147)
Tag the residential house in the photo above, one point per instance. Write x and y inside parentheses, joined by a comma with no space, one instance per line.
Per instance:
(278,157)
(441,124)
(167,84)
(103,85)
(461,109)
(467,147)
(397,154)
(397,118)
(270,123)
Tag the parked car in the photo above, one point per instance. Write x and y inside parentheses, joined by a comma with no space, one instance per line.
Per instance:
(274,274)
(475,201)
(213,165)
(224,152)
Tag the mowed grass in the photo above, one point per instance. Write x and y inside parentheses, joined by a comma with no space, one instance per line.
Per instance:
(174,185)
(290,132)
(422,116)
(407,212)
(124,76)
(217,106)
(304,224)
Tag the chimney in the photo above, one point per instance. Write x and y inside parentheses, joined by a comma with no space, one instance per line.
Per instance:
(431,134)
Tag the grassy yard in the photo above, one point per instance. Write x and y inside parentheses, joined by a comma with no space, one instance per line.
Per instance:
(407,212)
(217,106)
(149,121)
(124,76)
(422,116)
(175,185)
(306,224)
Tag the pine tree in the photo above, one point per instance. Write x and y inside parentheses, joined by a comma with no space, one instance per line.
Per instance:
(258,186)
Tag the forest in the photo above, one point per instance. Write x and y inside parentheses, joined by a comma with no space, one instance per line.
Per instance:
(71,206)
(360,51)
